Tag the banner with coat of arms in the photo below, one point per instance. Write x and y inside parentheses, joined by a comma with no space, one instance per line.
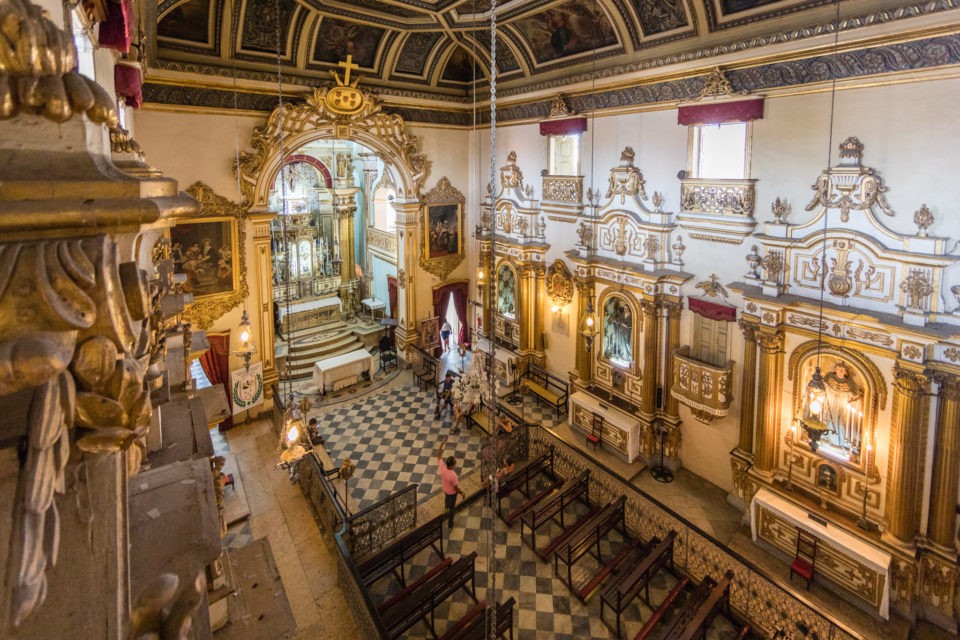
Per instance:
(246,387)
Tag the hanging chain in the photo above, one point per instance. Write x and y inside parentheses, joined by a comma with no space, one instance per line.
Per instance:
(283,203)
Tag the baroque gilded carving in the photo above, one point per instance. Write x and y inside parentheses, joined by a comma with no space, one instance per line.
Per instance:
(773,263)
(716,85)
(849,186)
(712,287)
(203,312)
(563,188)
(626,179)
(443,194)
(511,177)
(559,283)
(390,130)
(717,197)
(917,289)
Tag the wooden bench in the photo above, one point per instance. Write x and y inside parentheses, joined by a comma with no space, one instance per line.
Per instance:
(506,420)
(425,372)
(718,599)
(394,556)
(532,502)
(418,603)
(568,532)
(478,629)
(548,509)
(628,585)
(547,387)
(613,566)
(676,618)
(520,477)
(588,538)
(457,629)
(660,611)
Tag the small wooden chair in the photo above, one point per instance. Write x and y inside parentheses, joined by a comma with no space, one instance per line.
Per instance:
(804,563)
(595,437)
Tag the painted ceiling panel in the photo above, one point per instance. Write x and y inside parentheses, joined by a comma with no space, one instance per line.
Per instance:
(189,21)
(565,30)
(416,49)
(338,39)
(259,32)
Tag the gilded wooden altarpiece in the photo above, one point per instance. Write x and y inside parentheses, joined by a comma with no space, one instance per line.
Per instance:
(205,309)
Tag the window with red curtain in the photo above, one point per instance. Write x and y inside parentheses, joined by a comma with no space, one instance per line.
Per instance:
(441,299)
(216,366)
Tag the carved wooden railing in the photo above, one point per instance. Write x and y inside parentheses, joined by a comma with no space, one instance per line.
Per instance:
(381,522)
(758,599)
(704,388)
(563,189)
(386,241)
(723,197)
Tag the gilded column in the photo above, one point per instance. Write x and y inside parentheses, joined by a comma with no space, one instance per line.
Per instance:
(539,294)
(941,525)
(407,213)
(527,303)
(748,385)
(262,294)
(672,331)
(903,472)
(584,359)
(344,206)
(769,393)
(648,390)
(486,288)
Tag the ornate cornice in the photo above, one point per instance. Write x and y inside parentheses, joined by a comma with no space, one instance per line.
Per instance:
(909,382)
(771,342)
(949,385)
(750,330)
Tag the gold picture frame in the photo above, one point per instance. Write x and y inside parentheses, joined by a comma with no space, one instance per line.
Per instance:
(222,222)
(430,333)
(441,227)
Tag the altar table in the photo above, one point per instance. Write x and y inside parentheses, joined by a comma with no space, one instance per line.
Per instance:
(621,431)
(341,371)
(845,559)
(310,313)
(373,305)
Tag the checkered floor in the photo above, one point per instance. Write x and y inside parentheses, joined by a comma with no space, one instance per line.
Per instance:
(391,438)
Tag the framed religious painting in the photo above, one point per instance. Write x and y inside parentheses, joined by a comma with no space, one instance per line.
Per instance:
(441,229)
(208,253)
(430,333)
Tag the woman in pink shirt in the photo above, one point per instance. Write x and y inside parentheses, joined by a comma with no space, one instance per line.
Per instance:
(449,481)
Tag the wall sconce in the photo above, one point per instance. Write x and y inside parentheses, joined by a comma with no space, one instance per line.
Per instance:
(247,346)
(588,325)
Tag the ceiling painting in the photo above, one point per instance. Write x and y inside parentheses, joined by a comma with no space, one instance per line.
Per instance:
(566,29)
(337,39)
(415,52)
(660,16)
(460,67)
(259,31)
(189,21)
(506,61)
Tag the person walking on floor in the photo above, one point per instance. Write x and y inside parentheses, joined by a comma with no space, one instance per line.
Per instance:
(445,332)
(449,481)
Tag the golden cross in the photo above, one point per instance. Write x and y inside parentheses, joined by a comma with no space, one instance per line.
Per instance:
(348,65)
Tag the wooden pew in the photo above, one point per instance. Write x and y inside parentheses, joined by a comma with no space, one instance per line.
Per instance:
(547,387)
(547,510)
(628,585)
(588,538)
(658,614)
(569,532)
(422,601)
(478,630)
(456,630)
(394,556)
(613,566)
(718,598)
(521,476)
(532,502)
(413,586)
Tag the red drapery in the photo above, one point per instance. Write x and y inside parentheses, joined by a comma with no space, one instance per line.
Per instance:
(716,113)
(216,366)
(115,30)
(712,310)
(563,127)
(392,295)
(441,299)
(128,82)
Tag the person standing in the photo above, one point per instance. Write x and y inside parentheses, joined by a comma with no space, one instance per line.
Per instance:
(445,332)
(449,481)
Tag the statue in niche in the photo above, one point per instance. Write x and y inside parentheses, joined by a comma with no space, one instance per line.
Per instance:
(617,331)
(506,296)
(841,412)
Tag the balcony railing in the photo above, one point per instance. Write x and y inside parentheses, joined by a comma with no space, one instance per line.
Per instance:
(563,189)
(384,240)
(717,210)
(704,388)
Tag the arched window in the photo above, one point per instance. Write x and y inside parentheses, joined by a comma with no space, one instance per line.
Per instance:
(617,331)
(506,293)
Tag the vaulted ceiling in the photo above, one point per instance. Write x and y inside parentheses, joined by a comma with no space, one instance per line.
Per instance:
(437,48)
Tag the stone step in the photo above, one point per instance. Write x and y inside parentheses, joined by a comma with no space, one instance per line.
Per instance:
(260,609)
(311,333)
(303,368)
(322,345)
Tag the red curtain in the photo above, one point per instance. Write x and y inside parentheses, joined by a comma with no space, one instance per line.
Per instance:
(216,366)
(459,294)
(740,111)
(128,83)
(563,127)
(712,310)
(392,293)
(115,30)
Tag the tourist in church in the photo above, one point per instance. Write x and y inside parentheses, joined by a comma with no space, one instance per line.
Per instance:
(444,394)
(445,332)
(460,413)
(449,481)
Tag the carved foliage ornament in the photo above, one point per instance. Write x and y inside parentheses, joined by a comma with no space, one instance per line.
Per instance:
(38,70)
(716,85)
(315,115)
(849,185)
(203,312)
(559,284)
(917,289)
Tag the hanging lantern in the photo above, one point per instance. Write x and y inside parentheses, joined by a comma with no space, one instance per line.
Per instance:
(588,325)
(247,346)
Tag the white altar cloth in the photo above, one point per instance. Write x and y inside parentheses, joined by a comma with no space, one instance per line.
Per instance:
(831,535)
(330,371)
(374,305)
(310,305)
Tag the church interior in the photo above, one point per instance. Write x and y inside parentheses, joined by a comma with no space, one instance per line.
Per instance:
(673,283)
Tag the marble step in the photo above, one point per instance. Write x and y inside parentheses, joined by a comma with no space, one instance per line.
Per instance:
(303,368)
(320,346)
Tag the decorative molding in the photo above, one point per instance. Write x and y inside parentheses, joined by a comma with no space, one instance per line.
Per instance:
(203,312)
(716,85)
(559,283)
(563,189)
(383,240)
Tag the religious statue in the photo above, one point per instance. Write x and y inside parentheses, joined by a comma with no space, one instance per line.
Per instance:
(841,411)
(617,331)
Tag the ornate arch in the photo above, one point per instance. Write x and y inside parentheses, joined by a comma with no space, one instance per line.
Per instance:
(303,122)
(313,162)
(636,322)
